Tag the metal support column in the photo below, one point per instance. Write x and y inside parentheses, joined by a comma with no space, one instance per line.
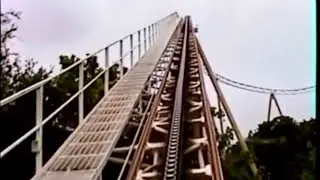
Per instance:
(152,33)
(131,50)
(145,39)
(269,107)
(156,30)
(139,44)
(149,36)
(233,123)
(106,74)
(39,133)
(273,97)
(81,80)
(121,57)
(277,104)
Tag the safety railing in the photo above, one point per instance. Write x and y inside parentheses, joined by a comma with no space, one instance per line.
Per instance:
(150,33)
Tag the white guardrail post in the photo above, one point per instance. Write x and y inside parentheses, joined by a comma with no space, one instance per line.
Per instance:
(80,98)
(131,51)
(37,144)
(149,36)
(121,57)
(156,30)
(152,33)
(145,39)
(106,74)
(139,44)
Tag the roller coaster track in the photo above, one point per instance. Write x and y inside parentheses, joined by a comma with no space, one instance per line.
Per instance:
(178,140)
(154,123)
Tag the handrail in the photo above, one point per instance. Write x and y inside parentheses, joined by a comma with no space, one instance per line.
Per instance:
(37,127)
(153,33)
(34,129)
(43,82)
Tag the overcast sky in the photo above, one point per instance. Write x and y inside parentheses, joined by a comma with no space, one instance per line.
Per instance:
(261,42)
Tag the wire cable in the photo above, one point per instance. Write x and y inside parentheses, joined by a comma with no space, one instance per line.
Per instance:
(262,90)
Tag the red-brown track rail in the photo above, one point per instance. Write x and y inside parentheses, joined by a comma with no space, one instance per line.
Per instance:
(152,145)
(179,139)
(86,151)
(201,157)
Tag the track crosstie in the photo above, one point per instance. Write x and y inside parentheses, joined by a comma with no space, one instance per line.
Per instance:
(178,140)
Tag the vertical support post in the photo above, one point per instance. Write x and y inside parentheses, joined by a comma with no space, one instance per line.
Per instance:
(121,57)
(273,97)
(149,37)
(277,104)
(39,133)
(156,30)
(106,74)
(145,39)
(152,33)
(269,107)
(80,98)
(139,44)
(131,50)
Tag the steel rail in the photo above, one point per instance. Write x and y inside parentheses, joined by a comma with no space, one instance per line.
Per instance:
(50,116)
(43,82)
(135,138)
(75,64)
(213,152)
(35,128)
(256,90)
(173,158)
(137,159)
(58,165)
(226,107)
(132,146)
(263,88)
(26,91)
(82,87)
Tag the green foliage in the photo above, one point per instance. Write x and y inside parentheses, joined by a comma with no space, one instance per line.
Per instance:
(67,84)
(293,155)
(283,149)
(13,76)
(19,117)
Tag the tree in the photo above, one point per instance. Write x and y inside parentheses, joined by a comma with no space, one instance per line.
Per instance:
(290,158)
(67,84)
(63,88)
(283,149)
(19,117)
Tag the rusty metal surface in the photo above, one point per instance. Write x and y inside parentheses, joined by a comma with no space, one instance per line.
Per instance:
(86,151)
(202,159)
(179,140)
(155,133)
(122,153)
(226,107)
